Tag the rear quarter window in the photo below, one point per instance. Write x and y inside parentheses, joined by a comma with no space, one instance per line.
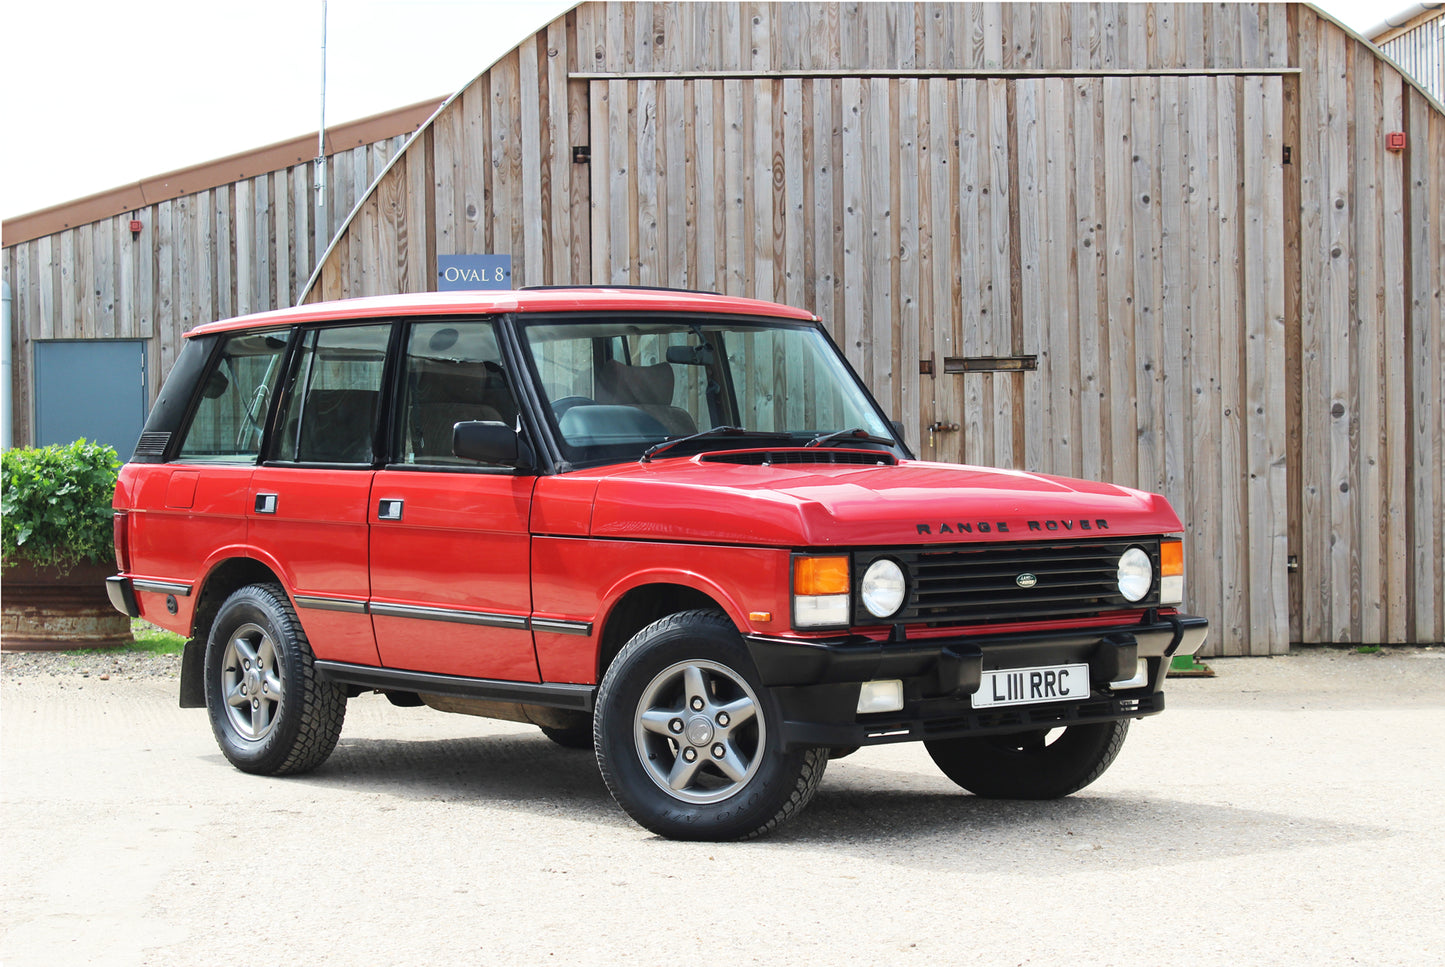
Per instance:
(235,395)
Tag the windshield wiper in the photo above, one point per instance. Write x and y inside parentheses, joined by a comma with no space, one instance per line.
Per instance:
(856,433)
(657,448)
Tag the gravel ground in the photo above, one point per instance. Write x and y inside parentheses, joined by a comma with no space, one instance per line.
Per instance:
(1286,812)
(16,666)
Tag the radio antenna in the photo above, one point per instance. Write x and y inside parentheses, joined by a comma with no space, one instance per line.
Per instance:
(321,132)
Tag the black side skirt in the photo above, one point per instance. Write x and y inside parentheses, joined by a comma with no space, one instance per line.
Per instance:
(577,697)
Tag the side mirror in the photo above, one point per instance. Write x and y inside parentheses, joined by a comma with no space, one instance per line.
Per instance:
(490,442)
(898,429)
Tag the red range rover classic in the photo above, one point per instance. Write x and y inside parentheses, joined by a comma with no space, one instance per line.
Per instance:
(673,527)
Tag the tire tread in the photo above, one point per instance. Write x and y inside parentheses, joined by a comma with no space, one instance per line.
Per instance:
(318,706)
(323,705)
(811,762)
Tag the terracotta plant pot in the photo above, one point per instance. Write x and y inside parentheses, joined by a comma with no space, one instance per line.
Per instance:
(45,610)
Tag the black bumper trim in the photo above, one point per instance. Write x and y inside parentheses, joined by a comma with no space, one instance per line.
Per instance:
(963,722)
(956,660)
(122,595)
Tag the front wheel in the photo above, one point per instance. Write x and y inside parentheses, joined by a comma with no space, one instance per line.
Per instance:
(270,711)
(1042,764)
(687,740)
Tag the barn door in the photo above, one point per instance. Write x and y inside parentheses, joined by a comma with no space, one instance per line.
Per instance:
(1151,272)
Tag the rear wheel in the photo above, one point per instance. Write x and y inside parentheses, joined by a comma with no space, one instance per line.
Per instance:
(687,739)
(270,711)
(1042,764)
(577,737)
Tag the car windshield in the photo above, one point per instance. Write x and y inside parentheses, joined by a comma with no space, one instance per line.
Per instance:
(617,386)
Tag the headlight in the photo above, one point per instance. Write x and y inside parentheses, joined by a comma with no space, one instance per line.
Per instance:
(1136,574)
(883,588)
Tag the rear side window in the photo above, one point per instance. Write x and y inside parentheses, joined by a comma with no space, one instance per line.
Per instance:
(235,396)
(331,408)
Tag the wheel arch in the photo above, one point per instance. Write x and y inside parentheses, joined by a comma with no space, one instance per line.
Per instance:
(642,604)
(223,579)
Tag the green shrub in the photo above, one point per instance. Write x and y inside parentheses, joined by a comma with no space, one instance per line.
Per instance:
(56,503)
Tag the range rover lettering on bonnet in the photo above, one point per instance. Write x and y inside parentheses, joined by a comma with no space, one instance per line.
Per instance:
(1001,527)
(671,528)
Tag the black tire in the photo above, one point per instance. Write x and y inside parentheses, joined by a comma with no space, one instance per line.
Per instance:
(685,685)
(256,644)
(1026,765)
(578,737)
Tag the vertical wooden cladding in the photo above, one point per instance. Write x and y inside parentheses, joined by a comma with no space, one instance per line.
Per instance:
(1155,299)
(1372,430)
(621,37)
(492,173)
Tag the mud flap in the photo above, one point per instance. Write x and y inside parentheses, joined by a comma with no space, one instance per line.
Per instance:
(193,678)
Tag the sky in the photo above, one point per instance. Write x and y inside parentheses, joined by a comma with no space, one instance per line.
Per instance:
(102,94)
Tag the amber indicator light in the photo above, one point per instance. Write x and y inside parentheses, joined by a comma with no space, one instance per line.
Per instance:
(820,575)
(1171,558)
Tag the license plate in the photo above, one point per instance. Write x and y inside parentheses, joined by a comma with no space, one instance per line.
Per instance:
(1032,686)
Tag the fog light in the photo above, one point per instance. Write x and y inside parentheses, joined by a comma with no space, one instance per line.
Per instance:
(880,697)
(1140,679)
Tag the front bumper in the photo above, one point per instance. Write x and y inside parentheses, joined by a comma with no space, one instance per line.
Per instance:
(816,682)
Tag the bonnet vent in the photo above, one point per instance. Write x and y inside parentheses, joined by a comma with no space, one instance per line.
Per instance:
(758,458)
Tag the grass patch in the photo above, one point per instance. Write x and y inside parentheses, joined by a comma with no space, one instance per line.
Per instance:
(1368,650)
(157,641)
(149,640)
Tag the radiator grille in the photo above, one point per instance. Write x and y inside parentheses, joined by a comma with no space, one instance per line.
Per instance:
(979,583)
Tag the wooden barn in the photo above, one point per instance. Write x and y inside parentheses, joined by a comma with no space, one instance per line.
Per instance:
(1195,248)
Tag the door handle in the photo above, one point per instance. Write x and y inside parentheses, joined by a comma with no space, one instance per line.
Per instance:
(266,503)
(389,508)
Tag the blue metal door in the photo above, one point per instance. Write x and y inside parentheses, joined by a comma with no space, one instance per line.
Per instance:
(93,388)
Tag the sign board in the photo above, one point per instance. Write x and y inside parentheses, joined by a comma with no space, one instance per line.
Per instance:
(457,272)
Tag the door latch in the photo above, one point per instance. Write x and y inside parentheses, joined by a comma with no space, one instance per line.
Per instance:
(388,508)
(939,427)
